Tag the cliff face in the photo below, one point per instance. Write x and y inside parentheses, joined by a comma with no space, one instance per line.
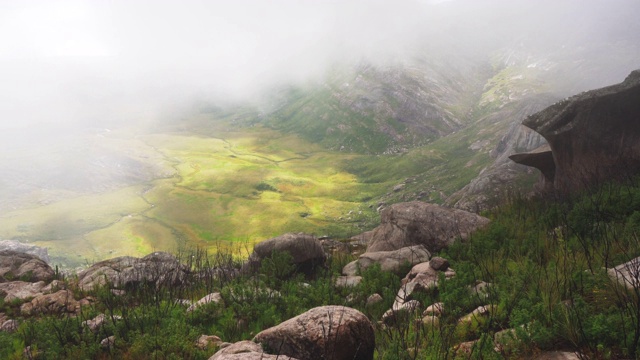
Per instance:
(593,137)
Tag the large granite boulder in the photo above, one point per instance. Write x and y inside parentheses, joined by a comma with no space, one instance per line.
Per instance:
(393,261)
(14,290)
(16,265)
(306,252)
(245,350)
(420,223)
(322,333)
(593,137)
(159,268)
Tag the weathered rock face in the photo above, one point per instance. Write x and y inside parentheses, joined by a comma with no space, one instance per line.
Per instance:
(158,268)
(17,265)
(627,274)
(323,333)
(60,302)
(20,290)
(306,251)
(245,350)
(420,223)
(496,180)
(392,261)
(593,136)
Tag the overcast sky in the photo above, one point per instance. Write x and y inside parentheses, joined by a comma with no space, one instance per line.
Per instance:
(88,61)
(66,59)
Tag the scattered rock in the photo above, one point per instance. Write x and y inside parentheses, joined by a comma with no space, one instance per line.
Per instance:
(439,264)
(57,303)
(208,341)
(400,312)
(21,290)
(479,313)
(480,290)
(421,278)
(326,332)
(305,250)
(96,323)
(9,326)
(108,343)
(393,261)
(420,223)
(159,268)
(26,267)
(348,281)
(374,299)
(211,298)
(436,309)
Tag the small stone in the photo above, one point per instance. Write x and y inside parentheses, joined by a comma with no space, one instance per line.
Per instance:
(211,298)
(436,309)
(374,299)
(208,341)
(439,264)
(108,343)
(9,326)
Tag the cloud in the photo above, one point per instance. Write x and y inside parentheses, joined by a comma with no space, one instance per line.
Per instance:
(83,62)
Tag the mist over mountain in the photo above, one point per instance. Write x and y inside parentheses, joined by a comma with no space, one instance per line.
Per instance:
(184,116)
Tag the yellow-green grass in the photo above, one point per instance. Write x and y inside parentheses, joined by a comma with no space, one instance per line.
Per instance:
(228,191)
(63,224)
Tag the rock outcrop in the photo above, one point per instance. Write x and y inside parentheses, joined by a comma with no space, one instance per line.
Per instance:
(13,290)
(420,223)
(496,181)
(393,261)
(246,350)
(594,137)
(306,251)
(159,268)
(322,333)
(16,265)
(61,302)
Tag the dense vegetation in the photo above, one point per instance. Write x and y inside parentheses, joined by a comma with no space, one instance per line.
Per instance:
(545,259)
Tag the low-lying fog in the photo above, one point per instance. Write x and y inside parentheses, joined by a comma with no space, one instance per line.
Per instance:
(71,72)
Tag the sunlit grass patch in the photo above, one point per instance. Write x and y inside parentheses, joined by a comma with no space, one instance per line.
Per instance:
(72,216)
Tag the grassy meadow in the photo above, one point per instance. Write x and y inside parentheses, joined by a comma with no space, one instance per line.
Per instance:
(230,190)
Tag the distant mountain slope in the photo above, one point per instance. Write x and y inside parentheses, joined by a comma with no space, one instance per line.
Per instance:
(371,109)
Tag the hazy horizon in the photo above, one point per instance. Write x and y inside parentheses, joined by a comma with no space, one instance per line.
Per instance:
(90,62)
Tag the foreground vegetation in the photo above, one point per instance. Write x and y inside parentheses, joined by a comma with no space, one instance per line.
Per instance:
(545,259)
